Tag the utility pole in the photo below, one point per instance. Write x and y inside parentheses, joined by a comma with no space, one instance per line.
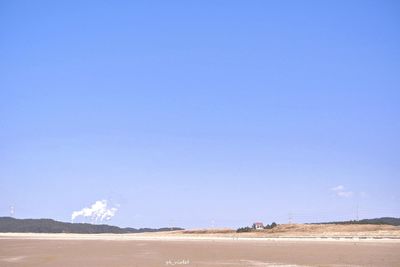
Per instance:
(12,211)
(290,218)
(357,212)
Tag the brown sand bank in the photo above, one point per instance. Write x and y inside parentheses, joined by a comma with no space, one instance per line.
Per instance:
(305,230)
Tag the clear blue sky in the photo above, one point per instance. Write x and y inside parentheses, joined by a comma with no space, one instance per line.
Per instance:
(199,113)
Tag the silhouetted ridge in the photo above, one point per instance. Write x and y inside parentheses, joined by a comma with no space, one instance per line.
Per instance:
(383,220)
(12,225)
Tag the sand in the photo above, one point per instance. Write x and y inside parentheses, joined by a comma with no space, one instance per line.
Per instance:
(307,230)
(179,250)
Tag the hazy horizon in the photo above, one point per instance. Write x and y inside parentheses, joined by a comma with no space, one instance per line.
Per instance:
(199,114)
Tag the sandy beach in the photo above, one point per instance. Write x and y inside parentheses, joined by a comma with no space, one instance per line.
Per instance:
(177,250)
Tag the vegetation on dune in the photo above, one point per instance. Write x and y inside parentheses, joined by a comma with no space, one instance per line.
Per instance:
(244,229)
(378,221)
(251,229)
(273,225)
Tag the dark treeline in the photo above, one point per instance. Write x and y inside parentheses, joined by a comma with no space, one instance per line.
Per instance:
(12,225)
(383,220)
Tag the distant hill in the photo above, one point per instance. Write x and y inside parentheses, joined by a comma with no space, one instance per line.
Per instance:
(383,220)
(12,225)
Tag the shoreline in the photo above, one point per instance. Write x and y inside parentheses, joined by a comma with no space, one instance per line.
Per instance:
(168,237)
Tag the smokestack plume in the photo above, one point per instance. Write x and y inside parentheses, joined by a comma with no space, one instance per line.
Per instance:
(98,212)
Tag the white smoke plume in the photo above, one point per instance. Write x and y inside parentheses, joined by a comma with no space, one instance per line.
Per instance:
(98,212)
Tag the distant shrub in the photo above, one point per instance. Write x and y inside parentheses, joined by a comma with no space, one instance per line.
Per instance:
(244,229)
(270,226)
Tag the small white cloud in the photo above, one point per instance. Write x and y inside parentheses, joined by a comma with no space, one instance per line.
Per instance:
(338,188)
(344,193)
(340,191)
(98,212)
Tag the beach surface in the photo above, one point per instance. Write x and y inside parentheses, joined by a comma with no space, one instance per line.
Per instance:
(20,249)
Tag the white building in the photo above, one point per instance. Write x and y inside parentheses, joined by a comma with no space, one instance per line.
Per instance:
(258,226)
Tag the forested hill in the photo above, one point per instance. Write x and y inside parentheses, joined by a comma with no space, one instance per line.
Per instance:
(12,225)
(383,220)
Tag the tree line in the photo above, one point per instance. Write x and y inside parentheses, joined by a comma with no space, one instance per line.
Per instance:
(12,225)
